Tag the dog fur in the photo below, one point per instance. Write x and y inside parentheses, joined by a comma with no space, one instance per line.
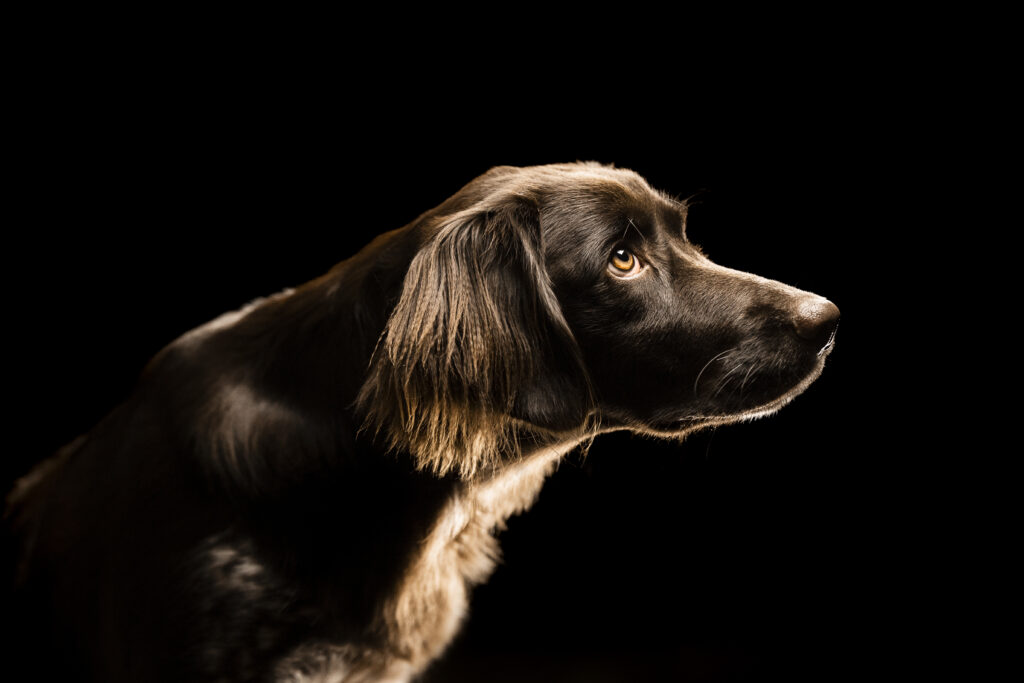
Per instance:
(306,489)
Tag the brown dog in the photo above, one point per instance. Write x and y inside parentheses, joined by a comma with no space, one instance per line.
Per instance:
(304,490)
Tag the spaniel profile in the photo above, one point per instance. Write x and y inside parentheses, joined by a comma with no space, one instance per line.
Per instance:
(306,489)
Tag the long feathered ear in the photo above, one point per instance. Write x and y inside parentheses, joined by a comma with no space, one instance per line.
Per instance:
(476,346)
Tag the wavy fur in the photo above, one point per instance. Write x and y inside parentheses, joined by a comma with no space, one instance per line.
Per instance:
(307,489)
(475,334)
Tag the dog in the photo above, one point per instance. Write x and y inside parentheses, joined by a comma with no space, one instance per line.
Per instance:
(306,489)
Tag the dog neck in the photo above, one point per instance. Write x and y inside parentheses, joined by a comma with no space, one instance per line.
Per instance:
(460,550)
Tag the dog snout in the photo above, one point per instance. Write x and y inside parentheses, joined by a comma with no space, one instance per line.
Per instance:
(816,320)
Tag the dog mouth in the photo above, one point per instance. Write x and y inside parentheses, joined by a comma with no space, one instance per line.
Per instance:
(830,344)
(776,404)
(733,410)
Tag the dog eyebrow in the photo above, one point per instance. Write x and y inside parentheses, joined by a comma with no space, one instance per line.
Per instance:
(631,223)
(681,204)
(675,215)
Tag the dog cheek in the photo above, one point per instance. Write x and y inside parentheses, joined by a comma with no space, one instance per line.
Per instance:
(552,401)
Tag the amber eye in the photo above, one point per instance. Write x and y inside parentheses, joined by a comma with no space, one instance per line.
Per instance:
(623,262)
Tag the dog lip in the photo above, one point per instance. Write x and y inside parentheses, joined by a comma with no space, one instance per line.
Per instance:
(683,425)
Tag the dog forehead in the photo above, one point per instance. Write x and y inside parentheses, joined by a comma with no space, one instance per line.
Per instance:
(585,200)
(582,193)
(601,206)
(592,180)
(582,186)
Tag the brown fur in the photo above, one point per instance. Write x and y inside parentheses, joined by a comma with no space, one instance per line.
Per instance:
(305,490)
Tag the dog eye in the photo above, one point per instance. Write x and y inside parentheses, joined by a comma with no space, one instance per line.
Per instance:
(623,262)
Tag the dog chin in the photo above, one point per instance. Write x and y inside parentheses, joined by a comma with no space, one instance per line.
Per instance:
(693,423)
(773,406)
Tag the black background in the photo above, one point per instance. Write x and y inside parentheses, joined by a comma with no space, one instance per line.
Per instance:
(157,194)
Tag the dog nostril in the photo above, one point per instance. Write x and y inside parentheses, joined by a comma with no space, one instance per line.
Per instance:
(816,320)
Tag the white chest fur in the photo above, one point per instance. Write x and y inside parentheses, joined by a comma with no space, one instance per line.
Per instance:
(461,551)
(425,611)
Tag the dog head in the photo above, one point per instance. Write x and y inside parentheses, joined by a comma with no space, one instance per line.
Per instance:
(567,299)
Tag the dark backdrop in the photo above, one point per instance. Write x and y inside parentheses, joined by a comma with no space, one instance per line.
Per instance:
(154,203)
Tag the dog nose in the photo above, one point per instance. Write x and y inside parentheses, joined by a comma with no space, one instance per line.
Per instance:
(816,320)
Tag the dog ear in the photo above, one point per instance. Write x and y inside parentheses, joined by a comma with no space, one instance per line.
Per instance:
(476,346)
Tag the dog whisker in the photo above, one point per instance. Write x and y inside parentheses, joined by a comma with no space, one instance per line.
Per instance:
(830,343)
(747,376)
(726,378)
(633,225)
(716,357)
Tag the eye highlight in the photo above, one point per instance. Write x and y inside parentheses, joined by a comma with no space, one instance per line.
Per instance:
(623,263)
